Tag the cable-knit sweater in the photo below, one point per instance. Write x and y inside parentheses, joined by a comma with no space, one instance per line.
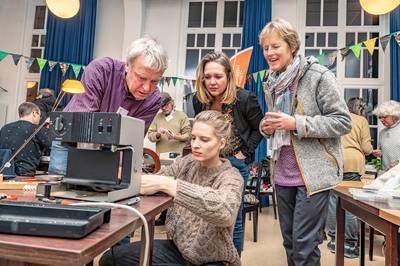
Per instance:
(204,212)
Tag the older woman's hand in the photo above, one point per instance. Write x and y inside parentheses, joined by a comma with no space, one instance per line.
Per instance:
(152,184)
(266,127)
(280,121)
(377,153)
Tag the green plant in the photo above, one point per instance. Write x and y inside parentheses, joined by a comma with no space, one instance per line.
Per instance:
(377,163)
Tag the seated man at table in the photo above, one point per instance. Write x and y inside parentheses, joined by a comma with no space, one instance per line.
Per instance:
(207,194)
(13,136)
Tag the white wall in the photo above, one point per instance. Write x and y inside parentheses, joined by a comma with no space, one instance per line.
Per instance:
(14,16)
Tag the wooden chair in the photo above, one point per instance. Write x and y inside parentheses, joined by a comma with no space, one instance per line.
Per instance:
(251,205)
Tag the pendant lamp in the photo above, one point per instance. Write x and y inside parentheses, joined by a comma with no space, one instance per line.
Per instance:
(63,8)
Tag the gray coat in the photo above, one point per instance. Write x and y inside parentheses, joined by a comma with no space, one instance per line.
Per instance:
(321,118)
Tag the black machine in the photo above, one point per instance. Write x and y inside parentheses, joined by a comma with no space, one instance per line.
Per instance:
(105,153)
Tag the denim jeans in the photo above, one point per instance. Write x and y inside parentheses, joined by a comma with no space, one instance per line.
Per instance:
(238,229)
(165,253)
(58,159)
(350,221)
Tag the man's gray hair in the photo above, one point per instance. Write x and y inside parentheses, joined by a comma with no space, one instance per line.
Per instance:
(154,54)
(26,108)
(388,108)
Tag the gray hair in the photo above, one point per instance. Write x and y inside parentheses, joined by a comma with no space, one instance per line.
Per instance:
(154,54)
(284,29)
(217,120)
(356,105)
(388,108)
(26,108)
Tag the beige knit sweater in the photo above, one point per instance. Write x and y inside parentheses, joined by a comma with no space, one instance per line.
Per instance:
(204,212)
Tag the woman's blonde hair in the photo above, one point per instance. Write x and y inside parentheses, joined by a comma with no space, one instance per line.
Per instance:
(201,91)
(215,119)
(388,108)
(285,30)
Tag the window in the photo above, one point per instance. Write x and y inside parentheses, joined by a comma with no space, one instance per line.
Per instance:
(38,36)
(326,32)
(212,26)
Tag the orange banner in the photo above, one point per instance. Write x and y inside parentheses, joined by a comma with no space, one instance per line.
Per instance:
(240,63)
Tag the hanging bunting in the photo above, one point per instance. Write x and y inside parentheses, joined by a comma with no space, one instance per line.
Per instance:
(344,52)
(255,77)
(193,84)
(370,44)
(64,68)
(321,58)
(168,80)
(356,49)
(28,61)
(384,41)
(180,81)
(332,57)
(161,83)
(76,69)
(174,80)
(262,74)
(51,64)
(3,55)
(41,62)
(16,58)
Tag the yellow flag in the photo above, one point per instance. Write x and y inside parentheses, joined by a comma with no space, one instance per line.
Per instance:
(370,44)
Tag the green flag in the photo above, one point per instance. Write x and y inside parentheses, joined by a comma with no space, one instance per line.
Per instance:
(2,55)
(174,80)
(356,48)
(41,62)
(76,69)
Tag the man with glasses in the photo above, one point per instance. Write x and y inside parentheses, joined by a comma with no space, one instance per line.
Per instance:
(14,134)
(129,88)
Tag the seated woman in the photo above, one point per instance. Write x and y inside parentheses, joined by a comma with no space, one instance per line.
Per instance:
(207,194)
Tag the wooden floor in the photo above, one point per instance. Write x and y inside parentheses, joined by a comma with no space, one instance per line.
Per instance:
(269,250)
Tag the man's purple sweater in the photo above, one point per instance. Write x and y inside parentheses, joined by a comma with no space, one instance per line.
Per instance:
(107,91)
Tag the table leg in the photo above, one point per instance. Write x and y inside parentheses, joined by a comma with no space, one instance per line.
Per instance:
(143,243)
(391,246)
(362,243)
(340,219)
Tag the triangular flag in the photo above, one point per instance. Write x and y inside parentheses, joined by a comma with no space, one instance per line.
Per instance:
(16,58)
(181,82)
(262,74)
(3,55)
(28,61)
(161,83)
(370,44)
(76,69)
(193,84)
(332,57)
(356,48)
(41,62)
(344,52)
(321,58)
(168,80)
(397,37)
(174,80)
(64,67)
(51,64)
(255,77)
(384,41)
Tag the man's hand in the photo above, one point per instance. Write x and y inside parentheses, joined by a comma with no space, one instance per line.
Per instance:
(377,153)
(279,121)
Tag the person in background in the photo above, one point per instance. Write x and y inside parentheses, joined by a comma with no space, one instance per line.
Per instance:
(389,137)
(170,128)
(356,145)
(306,118)
(207,195)
(216,90)
(45,101)
(129,88)
(14,135)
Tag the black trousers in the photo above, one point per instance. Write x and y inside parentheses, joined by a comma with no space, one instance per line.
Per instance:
(302,220)
(165,253)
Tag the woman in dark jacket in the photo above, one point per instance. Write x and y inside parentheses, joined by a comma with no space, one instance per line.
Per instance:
(216,90)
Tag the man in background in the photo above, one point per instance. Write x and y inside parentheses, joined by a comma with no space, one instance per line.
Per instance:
(45,101)
(14,135)
(170,129)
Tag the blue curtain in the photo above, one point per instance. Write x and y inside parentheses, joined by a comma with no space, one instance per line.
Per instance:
(394,56)
(256,14)
(69,40)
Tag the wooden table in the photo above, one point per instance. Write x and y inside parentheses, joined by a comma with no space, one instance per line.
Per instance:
(32,250)
(378,215)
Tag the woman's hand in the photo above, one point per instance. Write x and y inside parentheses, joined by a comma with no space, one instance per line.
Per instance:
(240,156)
(377,153)
(152,184)
(266,127)
(280,121)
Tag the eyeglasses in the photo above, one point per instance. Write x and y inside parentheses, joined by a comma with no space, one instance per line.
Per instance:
(144,79)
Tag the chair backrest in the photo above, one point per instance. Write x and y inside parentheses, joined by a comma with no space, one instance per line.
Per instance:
(5,155)
(264,171)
